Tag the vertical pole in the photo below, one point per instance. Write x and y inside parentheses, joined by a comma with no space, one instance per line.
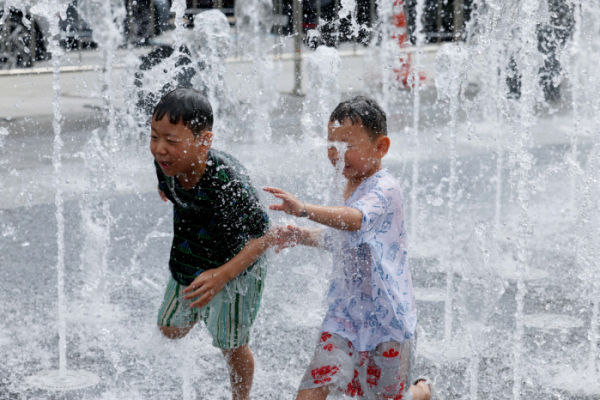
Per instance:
(318,13)
(237,40)
(195,8)
(458,19)
(9,51)
(130,19)
(152,20)
(371,14)
(439,21)
(280,27)
(280,12)
(336,21)
(79,28)
(354,34)
(32,44)
(297,15)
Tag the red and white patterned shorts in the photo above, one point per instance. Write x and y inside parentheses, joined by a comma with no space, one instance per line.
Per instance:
(382,373)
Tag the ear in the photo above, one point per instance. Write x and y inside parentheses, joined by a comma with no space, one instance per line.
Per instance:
(383,145)
(204,139)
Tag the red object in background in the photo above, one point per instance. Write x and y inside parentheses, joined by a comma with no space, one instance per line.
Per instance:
(400,35)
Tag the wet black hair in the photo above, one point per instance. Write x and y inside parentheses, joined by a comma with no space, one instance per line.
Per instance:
(187,105)
(362,110)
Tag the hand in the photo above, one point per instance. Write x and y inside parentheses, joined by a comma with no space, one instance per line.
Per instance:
(291,205)
(288,236)
(205,286)
(162,195)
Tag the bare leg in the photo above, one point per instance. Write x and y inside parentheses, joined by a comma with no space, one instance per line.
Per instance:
(241,371)
(176,332)
(421,391)
(319,393)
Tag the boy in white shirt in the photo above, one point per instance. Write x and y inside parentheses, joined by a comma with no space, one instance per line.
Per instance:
(368,335)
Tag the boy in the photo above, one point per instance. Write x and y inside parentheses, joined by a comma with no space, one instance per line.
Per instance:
(220,234)
(369,330)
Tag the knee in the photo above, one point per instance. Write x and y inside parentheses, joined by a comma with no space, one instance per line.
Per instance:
(242,353)
(237,350)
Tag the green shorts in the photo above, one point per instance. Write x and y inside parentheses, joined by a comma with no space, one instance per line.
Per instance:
(228,316)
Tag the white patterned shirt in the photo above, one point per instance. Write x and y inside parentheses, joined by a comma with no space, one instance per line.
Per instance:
(371,298)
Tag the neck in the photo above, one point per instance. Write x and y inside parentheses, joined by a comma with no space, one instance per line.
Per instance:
(360,179)
(354,183)
(190,178)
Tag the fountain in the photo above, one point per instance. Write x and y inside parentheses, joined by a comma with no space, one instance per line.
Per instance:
(450,62)
(503,182)
(416,86)
(323,92)
(479,292)
(61,379)
(254,19)
(209,47)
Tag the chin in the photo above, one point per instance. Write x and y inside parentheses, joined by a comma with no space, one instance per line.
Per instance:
(169,172)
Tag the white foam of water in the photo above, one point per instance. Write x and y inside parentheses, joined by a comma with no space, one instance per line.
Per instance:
(430,294)
(551,321)
(509,271)
(53,380)
(575,381)
(4,340)
(440,351)
(83,314)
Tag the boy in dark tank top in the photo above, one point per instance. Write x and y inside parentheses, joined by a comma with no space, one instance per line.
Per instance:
(221,232)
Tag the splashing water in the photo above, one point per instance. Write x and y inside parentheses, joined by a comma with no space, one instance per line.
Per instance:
(450,61)
(479,293)
(323,92)
(488,113)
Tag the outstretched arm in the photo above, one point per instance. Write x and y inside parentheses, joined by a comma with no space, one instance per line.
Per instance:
(291,236)
(209,283)
(342,218)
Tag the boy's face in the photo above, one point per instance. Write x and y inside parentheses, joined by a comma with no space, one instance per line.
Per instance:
(363,156)
(175,147)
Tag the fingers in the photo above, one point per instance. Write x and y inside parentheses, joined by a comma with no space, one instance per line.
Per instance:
(273,190)
(195,285)
(279,193)
(193,295)
(284,196)
(277,207)
(202,301)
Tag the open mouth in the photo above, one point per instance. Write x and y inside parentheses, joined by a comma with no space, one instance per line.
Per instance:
(165,165)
